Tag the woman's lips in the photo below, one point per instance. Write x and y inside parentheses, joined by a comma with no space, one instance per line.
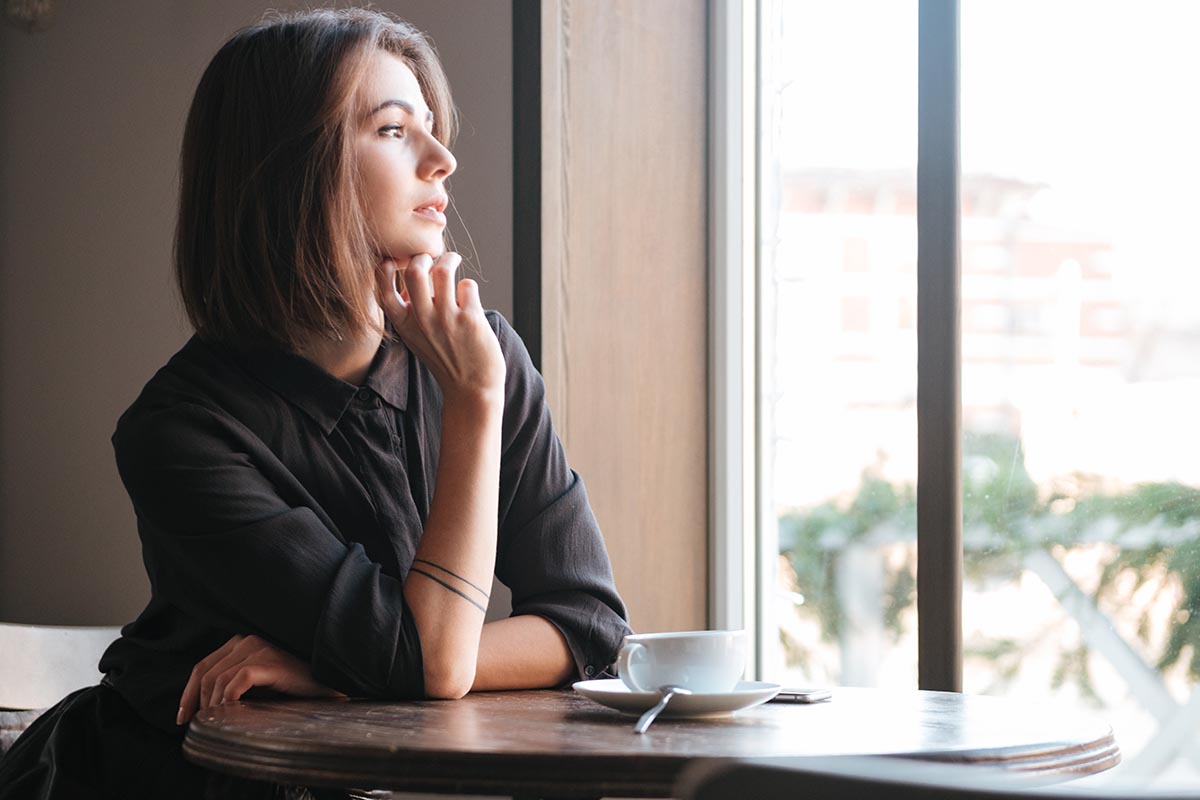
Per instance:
(432,214)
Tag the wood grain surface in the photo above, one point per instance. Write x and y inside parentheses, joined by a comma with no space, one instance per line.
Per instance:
(624,286)
(560,744)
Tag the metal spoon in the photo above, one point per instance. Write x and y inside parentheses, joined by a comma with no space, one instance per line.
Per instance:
(668,691)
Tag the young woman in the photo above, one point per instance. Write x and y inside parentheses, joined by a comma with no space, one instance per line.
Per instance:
(328,474)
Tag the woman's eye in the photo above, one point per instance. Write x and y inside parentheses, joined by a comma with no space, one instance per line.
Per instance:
(387,129)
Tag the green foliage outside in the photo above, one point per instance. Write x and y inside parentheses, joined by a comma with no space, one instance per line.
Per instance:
(1155,528)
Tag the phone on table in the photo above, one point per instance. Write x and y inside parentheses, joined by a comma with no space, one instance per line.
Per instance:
(802,696)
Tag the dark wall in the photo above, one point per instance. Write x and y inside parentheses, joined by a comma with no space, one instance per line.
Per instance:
(91,115)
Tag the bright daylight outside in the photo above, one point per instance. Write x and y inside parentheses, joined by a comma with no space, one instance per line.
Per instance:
(1081,354)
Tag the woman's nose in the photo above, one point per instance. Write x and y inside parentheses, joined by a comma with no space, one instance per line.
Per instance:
(438,162)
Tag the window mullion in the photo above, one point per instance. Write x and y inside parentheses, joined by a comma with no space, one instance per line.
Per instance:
(939,412)
(731,288)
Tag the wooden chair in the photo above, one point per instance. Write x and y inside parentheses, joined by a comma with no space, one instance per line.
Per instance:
(878,778)
(41,664)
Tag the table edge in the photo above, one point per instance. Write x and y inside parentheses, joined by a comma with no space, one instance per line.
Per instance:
(650,775)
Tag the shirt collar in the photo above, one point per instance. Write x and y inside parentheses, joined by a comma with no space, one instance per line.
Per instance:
(388,376)
(322,396)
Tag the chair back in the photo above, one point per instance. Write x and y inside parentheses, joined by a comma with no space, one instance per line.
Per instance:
(40,664)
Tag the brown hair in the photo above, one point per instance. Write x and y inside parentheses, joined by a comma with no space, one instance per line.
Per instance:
(271,244)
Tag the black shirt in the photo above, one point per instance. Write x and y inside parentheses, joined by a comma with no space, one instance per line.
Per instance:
(275,499)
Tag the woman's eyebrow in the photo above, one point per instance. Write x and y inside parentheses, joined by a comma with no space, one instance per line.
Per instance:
(403,104)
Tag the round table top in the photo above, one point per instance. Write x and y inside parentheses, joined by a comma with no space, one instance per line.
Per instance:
(559,743)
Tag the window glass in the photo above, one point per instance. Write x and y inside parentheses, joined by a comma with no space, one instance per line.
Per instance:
(1081,362)
(838,339)
(1081,354)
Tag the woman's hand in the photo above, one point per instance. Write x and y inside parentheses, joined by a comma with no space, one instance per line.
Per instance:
(241,663)
(445,327)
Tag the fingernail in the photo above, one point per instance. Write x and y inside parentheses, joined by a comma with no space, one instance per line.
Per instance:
(179,716)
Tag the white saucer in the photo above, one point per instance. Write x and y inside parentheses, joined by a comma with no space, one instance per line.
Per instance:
(613,693)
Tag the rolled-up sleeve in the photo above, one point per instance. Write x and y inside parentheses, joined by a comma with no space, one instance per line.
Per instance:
(551,553)
(228,539)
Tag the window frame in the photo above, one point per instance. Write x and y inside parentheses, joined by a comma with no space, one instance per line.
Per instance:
(742,547)
(735,558)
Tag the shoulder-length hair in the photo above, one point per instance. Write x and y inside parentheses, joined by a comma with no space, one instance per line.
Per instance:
(272,247)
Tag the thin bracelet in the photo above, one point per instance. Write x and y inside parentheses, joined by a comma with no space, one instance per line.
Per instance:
(448,586)
(448,572)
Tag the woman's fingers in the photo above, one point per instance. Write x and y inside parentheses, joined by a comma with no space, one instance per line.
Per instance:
(443,324)
(386,275)
(280,675)
(224,673)
(242,680)
(442,277)
(210,684)
(468,295)
(394,302)
(428,286)
(241,664)
(190,700)
(416,281)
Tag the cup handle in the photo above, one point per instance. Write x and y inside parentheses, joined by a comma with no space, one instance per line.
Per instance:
(624,664)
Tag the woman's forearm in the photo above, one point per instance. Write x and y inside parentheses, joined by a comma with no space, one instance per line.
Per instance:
(525,652)
(458,546)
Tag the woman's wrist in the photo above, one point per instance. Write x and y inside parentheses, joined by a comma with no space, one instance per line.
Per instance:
(474,402)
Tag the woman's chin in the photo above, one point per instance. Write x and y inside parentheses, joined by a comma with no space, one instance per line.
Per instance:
(432,248)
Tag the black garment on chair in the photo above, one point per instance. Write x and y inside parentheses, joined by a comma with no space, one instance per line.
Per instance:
(93,745)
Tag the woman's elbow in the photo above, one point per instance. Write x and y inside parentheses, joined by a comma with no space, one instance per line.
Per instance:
(448,682)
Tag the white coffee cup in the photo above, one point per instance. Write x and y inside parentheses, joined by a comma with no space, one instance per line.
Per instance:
(702,661)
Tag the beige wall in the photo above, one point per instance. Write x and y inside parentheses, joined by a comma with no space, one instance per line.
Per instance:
(91,114)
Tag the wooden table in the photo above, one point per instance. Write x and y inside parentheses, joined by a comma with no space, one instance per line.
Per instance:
(560,744)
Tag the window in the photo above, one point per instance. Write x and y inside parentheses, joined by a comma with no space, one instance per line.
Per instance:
(838,375)
(1079,355)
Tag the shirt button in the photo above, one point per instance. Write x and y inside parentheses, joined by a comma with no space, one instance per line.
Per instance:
(364,394)
(589,670)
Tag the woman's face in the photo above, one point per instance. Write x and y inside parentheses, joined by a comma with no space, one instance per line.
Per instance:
(402,165)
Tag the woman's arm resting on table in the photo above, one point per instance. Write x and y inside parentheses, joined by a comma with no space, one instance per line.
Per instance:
(457,550)
(525,652)
(444,325)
